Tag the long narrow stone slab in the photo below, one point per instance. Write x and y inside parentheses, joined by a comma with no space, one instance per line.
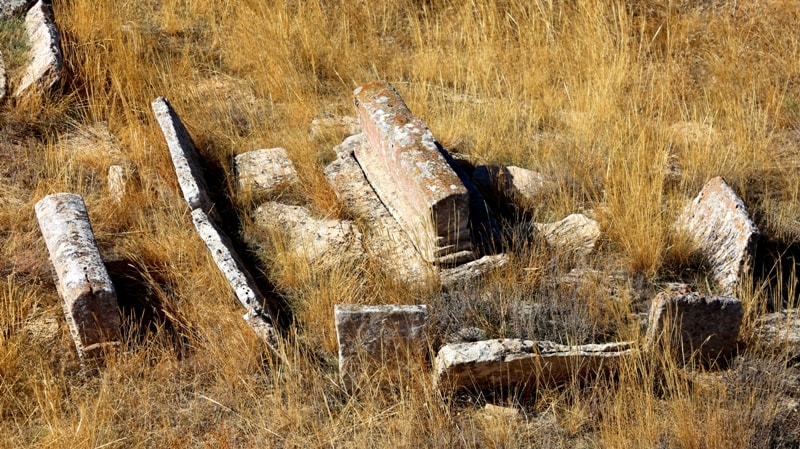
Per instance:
(718,222)
(184,155)
(521,365)
(370,337)
(87,293)
(46,60)
(384,239)
(405,166)
(259,315)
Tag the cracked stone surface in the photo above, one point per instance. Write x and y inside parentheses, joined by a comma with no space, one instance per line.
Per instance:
(265,172)
(46,60)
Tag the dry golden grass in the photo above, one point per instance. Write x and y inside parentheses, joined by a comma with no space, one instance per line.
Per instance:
(598,95)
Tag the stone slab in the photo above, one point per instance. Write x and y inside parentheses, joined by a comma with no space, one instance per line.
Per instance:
(87,293)
(370,337)
(719,224)
(576,234)
(117,182)
(384,239)
(46,60)
(471,270)
(779,330)
(260,315)
(185,157)
(265,172)
(521,365)
(405,166)
(511,184)
(694,326)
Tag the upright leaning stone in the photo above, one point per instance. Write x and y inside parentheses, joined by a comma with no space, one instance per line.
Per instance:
(718,223)
(46,60)
(88,296)
(405,166)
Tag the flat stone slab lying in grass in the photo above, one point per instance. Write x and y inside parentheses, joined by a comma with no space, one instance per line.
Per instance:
(184,155)
(265,172)
(46,59)
(719,224)
(87,293)
(694,326)
(371,337)
(404,164)
(521,365)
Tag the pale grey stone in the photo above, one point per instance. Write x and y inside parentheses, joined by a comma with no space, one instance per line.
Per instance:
(718,223)
(521,365)
(117,182)
(184,155)
(694,326)
(405,166)
(576,234)
(265,172)
(469,271)
(780,330)
(378,336)
(321,241)
(10,8)
(260,315)
(87,293)
(511,184)
(46,60)
(3,80)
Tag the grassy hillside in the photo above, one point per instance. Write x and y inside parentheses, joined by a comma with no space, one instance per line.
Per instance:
(601,96)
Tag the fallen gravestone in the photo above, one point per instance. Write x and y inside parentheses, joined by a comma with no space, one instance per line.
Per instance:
(405,166)
(46,60)
(87,293)
(694,327)
(718,223)
(371,337)
(521,365)
(265,172)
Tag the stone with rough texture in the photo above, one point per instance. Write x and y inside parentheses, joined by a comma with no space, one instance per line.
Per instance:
(512,184)
(471,270)
(521,365)
(117,182)
(405,166)
(780,330)
(10,8)
(324,241)
(184,155)
(3,79)
(266,171)
(691,325)
(385,241)
(260,315)
(46,60)
(330,124)
(718,223)
(370,336)
(575,234)
(87,293)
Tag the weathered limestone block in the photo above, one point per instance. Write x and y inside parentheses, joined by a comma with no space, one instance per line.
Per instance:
(405,166)
(117,182)
(718,223)
(385,241)
(512,184)
(260,315)
(265,172)
(692,325)
(184,155)
(576,234)
(321,241)
(330,124)
(471,270)
(521,364)
(373,336)
(86,290)
(46,60)
(10,8)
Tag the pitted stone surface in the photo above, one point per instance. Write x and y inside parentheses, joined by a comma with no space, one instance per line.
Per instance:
(385,241)
(718,222)
(691,324)
(266,171)
(370,336)
(184,155)
(521,364)
(405,166)
(323,241)
(86,290)
(46,60)
(576,234)
(259,315)
(780,330)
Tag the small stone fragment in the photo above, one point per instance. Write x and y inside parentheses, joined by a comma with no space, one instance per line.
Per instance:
(117,182)
(576,234)
(3,80)
(86,290)
(334,124)
(370,337)
(521,365)
(694,326)
(266,171)
(779,330)
(512,185)
(718,223)
(405,166)
(323,241)
(450,277)
(46,60)
(184,155)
